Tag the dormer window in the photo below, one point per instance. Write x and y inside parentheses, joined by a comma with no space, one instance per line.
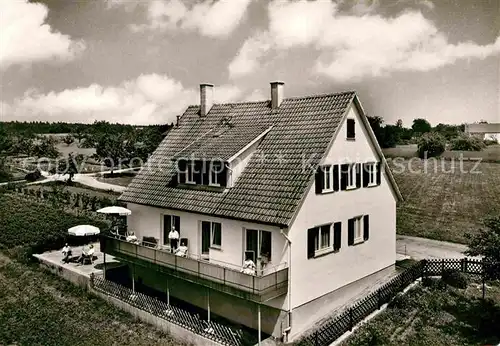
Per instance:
(215,170)
(190,172)
(202,173)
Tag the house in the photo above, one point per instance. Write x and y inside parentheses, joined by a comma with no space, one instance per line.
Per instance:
(299,185)
(484,131)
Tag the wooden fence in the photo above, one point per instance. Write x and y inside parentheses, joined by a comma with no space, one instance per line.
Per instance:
(345,321)
(209,329)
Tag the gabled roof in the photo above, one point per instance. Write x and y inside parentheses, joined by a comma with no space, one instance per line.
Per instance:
(272,186)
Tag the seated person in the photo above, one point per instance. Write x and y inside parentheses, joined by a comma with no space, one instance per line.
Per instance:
(67,253)
(131,237)
(182,250)
(248,267)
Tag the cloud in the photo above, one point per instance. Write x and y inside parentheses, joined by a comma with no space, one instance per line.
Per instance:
(148,99)
(256,95)
(209,18)
(247,59)
(353,47)
(26,38)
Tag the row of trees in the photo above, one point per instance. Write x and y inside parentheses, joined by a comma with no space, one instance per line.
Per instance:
(389,135)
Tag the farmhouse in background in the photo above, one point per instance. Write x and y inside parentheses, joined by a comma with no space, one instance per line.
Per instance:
(298,186)
(484,131)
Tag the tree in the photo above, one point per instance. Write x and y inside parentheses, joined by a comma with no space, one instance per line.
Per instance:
(430,145)
(421,126)
(486,243)
(45,148)
(110,150)
(68,139)
(399,123)
(70,166)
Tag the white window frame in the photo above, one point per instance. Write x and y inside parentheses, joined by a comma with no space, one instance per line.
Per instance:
(190,169)
(211,177)
(319,248)
(372,174)
(212,230)
(358,229)
(327,178)
(351,177)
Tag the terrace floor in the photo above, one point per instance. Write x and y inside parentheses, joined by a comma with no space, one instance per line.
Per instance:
(53,259)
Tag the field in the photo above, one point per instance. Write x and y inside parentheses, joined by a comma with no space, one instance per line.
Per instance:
(490,153)
(38,308)
(444,201)
(435,316)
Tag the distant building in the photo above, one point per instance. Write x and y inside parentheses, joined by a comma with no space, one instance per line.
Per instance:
(299,186)
(484,131)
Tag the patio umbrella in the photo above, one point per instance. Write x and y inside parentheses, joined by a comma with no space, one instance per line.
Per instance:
(115,210)
(84,230)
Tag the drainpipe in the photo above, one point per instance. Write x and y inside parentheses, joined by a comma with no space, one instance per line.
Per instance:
(287,330)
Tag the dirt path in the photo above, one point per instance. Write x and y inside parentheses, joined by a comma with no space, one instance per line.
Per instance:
(422,248)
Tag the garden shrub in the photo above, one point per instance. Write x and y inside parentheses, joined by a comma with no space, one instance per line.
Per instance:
(431,145)
(431,282)
(467,143)
(454,278)
(33,176)
(399,302)
(488,142)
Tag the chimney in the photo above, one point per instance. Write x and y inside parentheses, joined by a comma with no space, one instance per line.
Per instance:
(206,98)
(277,93)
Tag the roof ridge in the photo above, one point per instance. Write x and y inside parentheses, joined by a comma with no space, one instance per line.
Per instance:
(286,98)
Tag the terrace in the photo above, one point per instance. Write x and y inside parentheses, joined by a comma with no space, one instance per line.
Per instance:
(265,285)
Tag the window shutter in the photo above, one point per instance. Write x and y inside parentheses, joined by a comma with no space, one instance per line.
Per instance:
(344,171)
(366,227)
(337,236)
(379,172)
(311,235)
(351,128)
(366,177)
(319,179)
(181,165)
(223,176)
(335,173)
(358,174)
(198,171)
(350,232)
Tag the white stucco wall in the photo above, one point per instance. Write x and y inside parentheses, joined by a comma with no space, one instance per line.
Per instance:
(239,163)
(313,278)
(147,221)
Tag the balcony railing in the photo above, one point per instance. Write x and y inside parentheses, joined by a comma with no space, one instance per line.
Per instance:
(253,287)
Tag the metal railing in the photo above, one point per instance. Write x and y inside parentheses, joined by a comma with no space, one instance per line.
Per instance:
(263,287)
(212,330)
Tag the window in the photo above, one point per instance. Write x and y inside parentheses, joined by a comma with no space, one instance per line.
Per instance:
(216,238)
(327,179)
(169,222)
(190,173)
(324,239)
(350,129)
(258,245)
(215,170)
(351,177)
(211,236)
(358,229)
(371,174)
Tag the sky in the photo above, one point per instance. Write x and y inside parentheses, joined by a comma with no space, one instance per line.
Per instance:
(141,61)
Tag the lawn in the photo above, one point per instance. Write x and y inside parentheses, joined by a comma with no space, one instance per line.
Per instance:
(34,225)
(38,308)
(435,316)
(490,153)
(444,201)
